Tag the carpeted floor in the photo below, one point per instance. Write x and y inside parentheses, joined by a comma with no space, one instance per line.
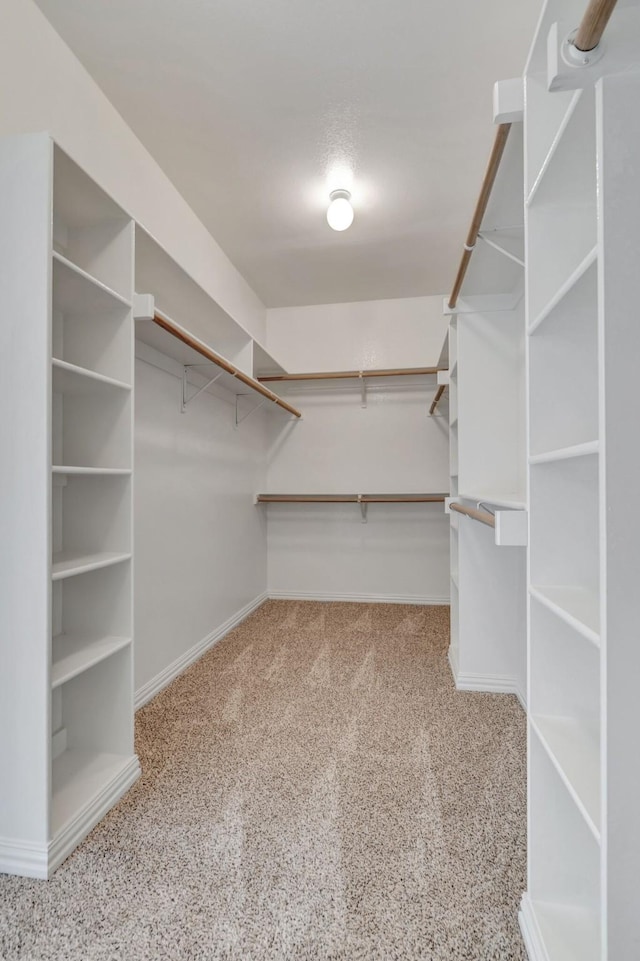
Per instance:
(313,788)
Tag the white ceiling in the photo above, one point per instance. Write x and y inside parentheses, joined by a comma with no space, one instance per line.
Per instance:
(250,106)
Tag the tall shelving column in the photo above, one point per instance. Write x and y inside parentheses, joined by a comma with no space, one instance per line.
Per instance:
(68,690)
(488,443)
(582,212)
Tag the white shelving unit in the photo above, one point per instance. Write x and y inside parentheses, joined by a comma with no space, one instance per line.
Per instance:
(66,691)
(583,206)
(488,442)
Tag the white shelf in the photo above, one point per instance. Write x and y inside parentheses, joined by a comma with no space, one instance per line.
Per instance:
(508,241)
(74,290)
(574,751)
(97,471)
(454,579)
(565,453)
(77,778)
(75,653)
(68,563)
(570,933)
(511,500)
(565,288)
(565,104)
(575,606)
(71,379)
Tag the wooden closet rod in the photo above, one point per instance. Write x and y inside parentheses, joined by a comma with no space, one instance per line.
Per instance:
(219,361)
(593,24)
(487,185)
(350,498)
(436,399)
(350,374)
(483,516)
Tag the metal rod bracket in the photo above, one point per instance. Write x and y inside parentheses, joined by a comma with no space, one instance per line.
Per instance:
(240,418)
(186,399)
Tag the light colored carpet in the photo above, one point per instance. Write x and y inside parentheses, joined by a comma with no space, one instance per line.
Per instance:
(313,788)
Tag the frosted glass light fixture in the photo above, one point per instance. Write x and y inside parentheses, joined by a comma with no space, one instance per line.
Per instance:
(340,212)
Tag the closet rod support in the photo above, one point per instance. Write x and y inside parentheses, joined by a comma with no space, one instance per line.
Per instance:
(256,407)
(186,399)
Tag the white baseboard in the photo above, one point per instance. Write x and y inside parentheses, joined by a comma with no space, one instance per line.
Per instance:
(23,858)
(531,934)
(487,683)
(358,598)
(40,860)
(173,670)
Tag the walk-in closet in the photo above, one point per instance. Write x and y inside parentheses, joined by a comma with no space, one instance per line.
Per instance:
(318,616)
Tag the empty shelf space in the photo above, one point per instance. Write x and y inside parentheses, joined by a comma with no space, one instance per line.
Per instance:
(78,776)
(74,289)
(576,606)
(565,453)
(75,653)
(569,932)
(71,379)
(574,750)
(68,563)
(350,498)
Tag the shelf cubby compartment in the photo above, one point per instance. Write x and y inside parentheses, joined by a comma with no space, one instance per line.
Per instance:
(91,328)
(92,735)
(564,551)
(491,402)
(91,615)
(565,705)
(562,222)
(564,866)
(563,370)
(90,428)
(89,229)
(91,518)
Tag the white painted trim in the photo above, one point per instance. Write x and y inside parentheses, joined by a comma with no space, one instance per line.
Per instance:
(361,598)
(24,858)
(531,931)
(453,663)
(490,683)
(88,816)
(31,860)
(173,670)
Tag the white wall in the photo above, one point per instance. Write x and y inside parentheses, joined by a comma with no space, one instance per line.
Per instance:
(43,86)
(392,446)
(200,542)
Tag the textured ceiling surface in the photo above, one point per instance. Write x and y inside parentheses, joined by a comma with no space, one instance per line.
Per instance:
(256,110)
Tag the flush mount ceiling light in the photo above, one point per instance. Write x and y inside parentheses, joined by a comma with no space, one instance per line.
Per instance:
(340,212)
